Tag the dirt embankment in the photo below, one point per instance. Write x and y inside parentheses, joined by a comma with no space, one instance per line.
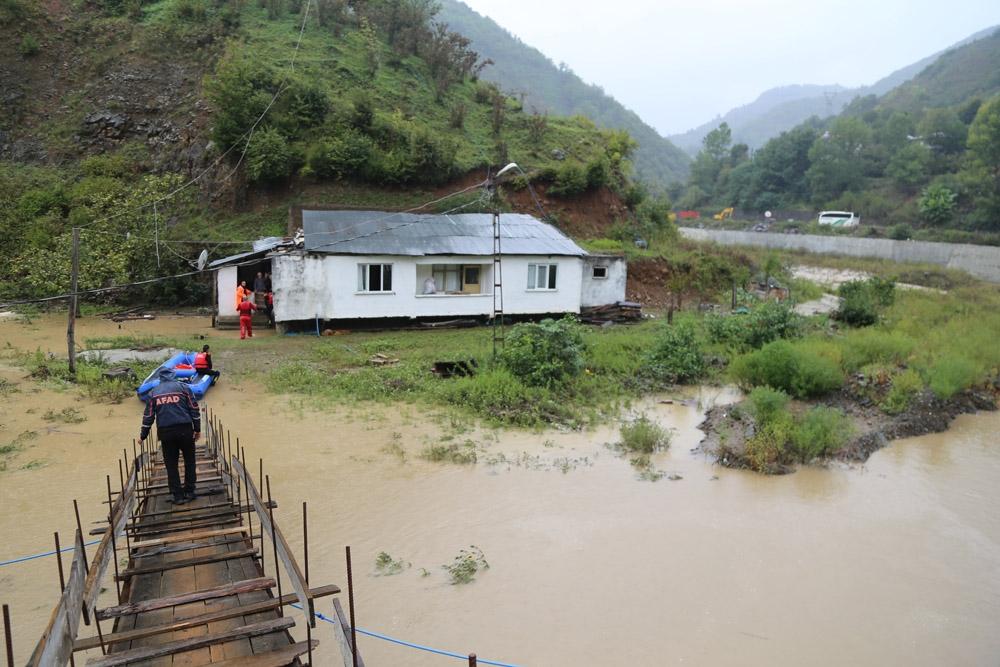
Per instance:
(727,428)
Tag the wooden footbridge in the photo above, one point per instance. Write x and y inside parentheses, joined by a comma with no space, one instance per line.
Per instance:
(194,590)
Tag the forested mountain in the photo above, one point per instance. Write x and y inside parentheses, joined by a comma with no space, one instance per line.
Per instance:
(780,109)
(926,155)
(524,71)
(201,120)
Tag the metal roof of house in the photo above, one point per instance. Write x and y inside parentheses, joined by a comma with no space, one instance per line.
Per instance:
(381,233)
(260,248)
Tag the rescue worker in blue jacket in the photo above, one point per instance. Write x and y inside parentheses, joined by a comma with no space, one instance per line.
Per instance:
(178,423)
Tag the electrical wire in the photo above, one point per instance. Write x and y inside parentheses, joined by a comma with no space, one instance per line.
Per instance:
(248,134)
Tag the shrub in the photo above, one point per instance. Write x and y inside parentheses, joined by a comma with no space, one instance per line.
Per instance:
(767,322)
(798,371)
(767,404)
(765,451)
(900,232)
(905,387)
(349,154)
(570,180)
(870,346)
(863,300)
(821,431)
(545,354)
(951,374)
(268,156)
(644,436)
(29,46)
(598,173)
(937,204)
(676,354)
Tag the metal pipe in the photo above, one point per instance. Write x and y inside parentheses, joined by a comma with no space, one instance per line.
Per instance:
(128,542)
(350,602)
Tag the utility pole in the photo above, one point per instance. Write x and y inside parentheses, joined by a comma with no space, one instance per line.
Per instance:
(497,269)
(71,326)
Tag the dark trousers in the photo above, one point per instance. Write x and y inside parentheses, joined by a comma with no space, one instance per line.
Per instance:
(209,371)
(177,440)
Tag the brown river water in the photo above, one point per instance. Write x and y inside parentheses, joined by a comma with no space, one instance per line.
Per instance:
(893,562)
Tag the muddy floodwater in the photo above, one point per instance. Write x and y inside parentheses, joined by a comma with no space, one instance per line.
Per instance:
(894,562)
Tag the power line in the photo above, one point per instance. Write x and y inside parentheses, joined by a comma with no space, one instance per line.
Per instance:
(248,134)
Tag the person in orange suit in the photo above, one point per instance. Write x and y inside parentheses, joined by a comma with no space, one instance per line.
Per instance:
(246,309)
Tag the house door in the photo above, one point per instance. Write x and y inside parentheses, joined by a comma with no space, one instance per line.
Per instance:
(470,280)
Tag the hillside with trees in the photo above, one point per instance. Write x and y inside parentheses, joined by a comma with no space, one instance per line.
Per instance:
(164,127)
(780,109)
(545,87)
(923,161)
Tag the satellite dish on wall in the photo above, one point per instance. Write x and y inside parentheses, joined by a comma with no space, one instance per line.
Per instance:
(202,260)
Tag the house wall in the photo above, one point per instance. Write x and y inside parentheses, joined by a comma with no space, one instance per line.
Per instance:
(225,289)
(603,291)
(310,286)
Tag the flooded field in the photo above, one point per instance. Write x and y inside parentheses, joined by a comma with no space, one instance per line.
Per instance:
(895,562)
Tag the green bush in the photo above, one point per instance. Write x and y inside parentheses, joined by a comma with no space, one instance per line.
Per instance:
(863,300)
(676,354)
(767,322)
(29,46)
(598,173)
(767,404)
(570,180)
(545,354)
(870,346)
(497,395)
(765,451)
(345,156)
(799,371)
(905,387)
(900,232)
(951,374)
(643,436)
(821,431)
(268,156)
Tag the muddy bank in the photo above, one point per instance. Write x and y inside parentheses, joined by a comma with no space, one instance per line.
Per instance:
(728,427)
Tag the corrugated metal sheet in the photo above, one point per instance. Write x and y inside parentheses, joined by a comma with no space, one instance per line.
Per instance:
(260,248)
(380,233)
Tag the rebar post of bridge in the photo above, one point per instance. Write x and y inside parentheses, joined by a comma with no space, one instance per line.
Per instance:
(274,542)
(350,606)
(261,488)
(249,506)
(305,555)
(135,468)
(237,481)
(114,546)
(7,640)
(225,464)
(62,580)
(79,532)
(128,541)
(472,660)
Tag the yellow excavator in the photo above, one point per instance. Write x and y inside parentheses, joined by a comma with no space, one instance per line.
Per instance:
(724,214)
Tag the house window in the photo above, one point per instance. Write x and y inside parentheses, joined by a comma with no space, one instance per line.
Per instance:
(447,277)
(374,277)
(600,272)
(541,276)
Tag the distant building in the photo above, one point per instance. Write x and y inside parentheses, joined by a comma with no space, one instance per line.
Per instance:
(353,265)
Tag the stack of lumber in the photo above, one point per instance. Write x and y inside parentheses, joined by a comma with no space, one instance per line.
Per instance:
(620,312)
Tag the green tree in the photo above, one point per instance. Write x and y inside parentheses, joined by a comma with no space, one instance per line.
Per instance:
(943,131)
(781,167)
(910,166)
(268,156)
(983,170)
(836,158)
(937,204)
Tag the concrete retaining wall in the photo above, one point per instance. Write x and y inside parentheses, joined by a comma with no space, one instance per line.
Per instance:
(983,262)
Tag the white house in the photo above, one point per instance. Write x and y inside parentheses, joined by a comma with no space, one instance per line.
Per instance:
(353,265)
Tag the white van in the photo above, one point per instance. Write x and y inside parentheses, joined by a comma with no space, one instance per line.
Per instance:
(839,219)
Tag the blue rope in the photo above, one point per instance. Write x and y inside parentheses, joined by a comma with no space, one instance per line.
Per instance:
(449,654)
(376,635)
(47,553)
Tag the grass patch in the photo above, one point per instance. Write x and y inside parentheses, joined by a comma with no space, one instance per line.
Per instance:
(66,416)
(386,565)
(466,565)
(459,453)
(642,435)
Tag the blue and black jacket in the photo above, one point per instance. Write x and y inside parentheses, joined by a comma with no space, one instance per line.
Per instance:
(170,403)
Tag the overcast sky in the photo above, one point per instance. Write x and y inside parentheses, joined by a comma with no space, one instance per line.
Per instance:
(679,63)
